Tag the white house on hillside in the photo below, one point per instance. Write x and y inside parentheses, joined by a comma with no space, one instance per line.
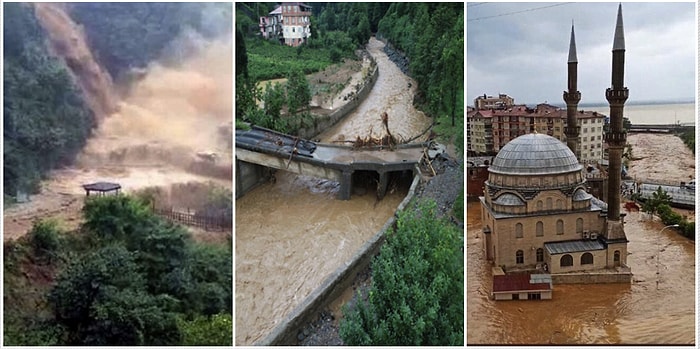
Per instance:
(290,23)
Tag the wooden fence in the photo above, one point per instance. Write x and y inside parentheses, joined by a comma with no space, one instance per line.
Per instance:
(220,222)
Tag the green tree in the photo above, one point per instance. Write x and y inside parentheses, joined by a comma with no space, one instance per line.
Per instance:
(298,92)
(212,330)
(416,296)
(658,198)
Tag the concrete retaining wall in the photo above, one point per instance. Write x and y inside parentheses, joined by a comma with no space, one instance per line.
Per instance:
(322,123)
(334,285)
(592,278)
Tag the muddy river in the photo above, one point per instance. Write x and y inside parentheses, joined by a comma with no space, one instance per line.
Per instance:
(291,234)
(638,313)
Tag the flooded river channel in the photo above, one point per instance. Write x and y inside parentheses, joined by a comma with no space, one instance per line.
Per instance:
(293,233)
(636,313)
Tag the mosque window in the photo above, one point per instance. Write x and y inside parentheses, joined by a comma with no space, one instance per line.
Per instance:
(519,258)
(579,225)
(560,227)
(586,258)
(566,261)
(540,255)
(616,258)
(519,230)
(539,230)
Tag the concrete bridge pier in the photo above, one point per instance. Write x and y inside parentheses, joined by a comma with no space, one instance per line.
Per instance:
(382,185)
(249,176)
(345,185)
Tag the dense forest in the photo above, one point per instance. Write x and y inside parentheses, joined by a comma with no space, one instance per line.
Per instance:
(431,35)
(46,122)
(126,277)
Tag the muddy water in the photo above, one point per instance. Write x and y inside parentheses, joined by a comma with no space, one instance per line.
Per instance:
(636,313)
(290,236)
(153,136)
(652,161)
(391,94)
(67,40)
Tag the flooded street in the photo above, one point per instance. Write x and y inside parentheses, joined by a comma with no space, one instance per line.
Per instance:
(593,314)
(392,93)
(636,313)
(291,234)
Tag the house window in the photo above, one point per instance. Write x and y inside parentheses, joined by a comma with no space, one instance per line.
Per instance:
(566,261)
(586,258)
(579,225)
(540,255)
(534,296)
(519,230)
(519,259)
(539,230)
(560,227)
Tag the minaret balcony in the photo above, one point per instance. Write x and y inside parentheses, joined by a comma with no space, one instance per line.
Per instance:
(615,138)
(619,96)
(572,97)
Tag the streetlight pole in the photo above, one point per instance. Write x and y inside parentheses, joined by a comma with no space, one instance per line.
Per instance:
(658,253)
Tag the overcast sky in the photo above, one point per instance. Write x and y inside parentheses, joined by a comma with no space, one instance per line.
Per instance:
(525,54)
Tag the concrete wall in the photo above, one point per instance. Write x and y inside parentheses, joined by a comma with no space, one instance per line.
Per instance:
(521,295)
(333,285)
(322,123)
(248,176)
(592,278)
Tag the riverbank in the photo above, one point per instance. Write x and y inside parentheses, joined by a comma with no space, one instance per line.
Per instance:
(442,189)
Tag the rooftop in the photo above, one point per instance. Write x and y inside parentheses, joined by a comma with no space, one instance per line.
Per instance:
(573,246)
(517,282)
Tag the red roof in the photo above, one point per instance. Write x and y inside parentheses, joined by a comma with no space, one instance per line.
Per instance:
(516,282)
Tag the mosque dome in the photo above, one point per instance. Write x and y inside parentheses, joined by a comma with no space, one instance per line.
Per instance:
(535,154)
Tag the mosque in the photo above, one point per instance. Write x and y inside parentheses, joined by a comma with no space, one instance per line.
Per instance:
(537,215)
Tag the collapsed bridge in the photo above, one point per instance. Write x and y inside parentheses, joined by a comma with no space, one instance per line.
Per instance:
(259,149)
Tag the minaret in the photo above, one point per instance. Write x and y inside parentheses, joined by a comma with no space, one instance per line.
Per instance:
(572,97)
(616,136)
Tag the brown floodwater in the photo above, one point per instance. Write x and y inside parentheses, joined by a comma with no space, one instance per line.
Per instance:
(638,313)
(293,233)
(391,94)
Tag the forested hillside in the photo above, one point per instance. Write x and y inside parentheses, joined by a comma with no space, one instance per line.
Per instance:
(46,121)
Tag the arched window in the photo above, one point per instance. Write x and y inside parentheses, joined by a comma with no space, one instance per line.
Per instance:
(586,258)
(560,227)
(579,225)
(549,204)
(540,255)
(519,230)
(616,258)
(560,204)
(539,230)
(539,205)
(519,259)
(566,261)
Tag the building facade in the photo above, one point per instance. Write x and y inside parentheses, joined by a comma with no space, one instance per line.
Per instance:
(537,214)
(290,23)
(491,102)
(491,129)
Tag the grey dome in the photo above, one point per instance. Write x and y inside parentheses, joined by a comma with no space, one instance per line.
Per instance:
(581,195)
(509,199)
(535,154)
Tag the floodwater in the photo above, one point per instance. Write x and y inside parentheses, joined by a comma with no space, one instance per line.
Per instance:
(638,313)
(291,234)
(392,93)
(151,136)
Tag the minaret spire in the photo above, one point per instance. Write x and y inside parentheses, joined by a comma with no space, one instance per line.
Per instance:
(572,45)
(619,40)
(572,97)
(616,137)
